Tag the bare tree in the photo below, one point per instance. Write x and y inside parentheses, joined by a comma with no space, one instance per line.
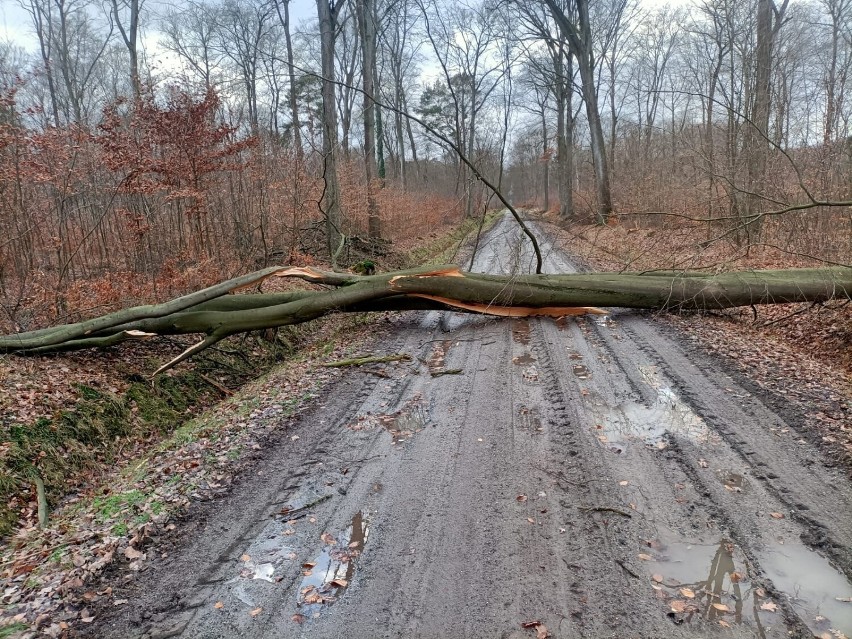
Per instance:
(330,204)
(578,33)
(129,31)
(283,9)
(770,19)
(365,12)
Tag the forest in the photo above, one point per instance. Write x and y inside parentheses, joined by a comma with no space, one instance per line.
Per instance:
(410,158)
(149,150)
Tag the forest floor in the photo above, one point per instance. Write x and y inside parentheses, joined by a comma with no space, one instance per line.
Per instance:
(641,475)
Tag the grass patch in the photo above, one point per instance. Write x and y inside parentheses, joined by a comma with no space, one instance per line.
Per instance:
(12,629)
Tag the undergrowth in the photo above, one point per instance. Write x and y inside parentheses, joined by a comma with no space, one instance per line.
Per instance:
(104,424)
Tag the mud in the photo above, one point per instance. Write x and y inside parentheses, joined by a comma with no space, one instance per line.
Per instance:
(593,475)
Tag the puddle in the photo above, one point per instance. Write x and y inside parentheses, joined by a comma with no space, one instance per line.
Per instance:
(734,482)
(530,374)
(327,576)
(812,586)
(529,420)
(521,331)
(521,360)
(439,355)
(708,582)
(603,320)
(402,425)
(581,371)
(628,421)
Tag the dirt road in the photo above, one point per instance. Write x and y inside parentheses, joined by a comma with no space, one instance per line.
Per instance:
(596,476)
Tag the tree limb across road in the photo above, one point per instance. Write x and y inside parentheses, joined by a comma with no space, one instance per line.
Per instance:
(217,313)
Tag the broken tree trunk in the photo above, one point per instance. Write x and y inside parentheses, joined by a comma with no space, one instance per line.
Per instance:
(216,314)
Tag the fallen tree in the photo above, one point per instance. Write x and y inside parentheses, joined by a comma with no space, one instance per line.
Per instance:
(217,313)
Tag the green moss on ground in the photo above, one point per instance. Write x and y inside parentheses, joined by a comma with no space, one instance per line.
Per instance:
(93,432)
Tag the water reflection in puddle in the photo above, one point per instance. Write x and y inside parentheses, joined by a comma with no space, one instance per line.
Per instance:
(529,420)
(439,355)
(733,482)
(328,575)
(819,594)
(581,371)
(708,582)
(521,331)
(616,426)
(603,320)
(402,425)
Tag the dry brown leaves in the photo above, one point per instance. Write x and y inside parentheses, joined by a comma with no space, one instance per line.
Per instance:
(46,580)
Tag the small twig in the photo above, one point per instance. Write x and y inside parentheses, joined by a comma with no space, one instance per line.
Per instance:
(786,317)
(605,509)
(41,498)
(626,569)
(447,371)
(216,385)
(298,513)
(371,359)
(376,373)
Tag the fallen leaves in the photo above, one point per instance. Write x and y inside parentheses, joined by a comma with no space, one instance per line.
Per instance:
(541,631)
(521,498)
(678,605)
(218,605)
(777,515)
(131,554)
(771,606)
(328,539)
(256,612)
(658,578)
(721,607)
(688,593)
(645,557)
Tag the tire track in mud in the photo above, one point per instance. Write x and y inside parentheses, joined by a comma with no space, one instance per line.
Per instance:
(582,473)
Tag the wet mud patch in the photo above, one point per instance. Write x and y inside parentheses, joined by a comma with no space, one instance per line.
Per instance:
(402,425)
(328,575)
(580,371)
(438,357)
(521,332)
(524,359)
(820,595)
(734,482)
(529,420)
(616,427)
(708,582)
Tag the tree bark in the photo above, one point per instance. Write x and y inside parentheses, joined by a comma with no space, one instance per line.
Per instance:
(366,28)
(330,204)
(218,315)
(579,37)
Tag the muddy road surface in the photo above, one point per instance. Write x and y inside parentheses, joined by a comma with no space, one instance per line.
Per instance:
(519,478)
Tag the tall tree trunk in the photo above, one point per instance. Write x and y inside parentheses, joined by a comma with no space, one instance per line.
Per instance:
(291,74)
(366,29)
(564,135)
(580,44)
(769,22)
(330,204)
